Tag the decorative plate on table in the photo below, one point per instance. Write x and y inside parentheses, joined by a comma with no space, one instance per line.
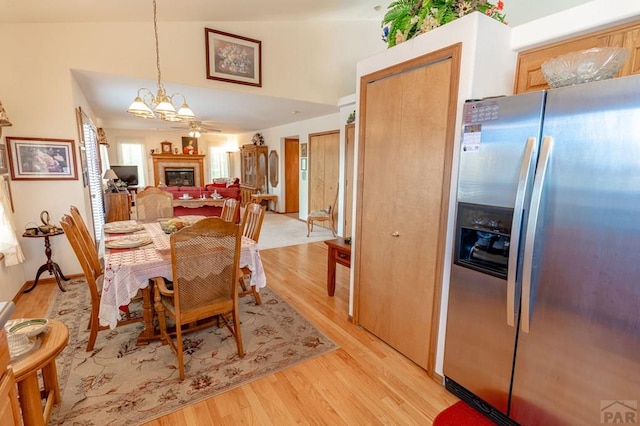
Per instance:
(30,327)
(123,229)
(185,198)
(128,242)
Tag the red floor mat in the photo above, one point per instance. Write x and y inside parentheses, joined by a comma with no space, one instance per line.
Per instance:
(461,414)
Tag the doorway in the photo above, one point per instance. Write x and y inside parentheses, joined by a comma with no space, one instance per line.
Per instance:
(291,175)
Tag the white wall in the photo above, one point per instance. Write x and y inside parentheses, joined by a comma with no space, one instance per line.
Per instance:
(309,61)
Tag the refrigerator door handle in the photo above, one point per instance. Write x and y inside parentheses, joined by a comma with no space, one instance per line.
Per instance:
(516,225)
(536,196)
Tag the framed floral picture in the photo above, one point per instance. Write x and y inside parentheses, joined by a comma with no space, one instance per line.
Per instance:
(42,159)
(233,58)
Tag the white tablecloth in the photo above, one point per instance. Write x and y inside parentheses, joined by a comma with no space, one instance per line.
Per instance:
(127,271)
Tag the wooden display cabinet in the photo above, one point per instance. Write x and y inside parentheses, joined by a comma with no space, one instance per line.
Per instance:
(529,67)
(253,171)
(117,206)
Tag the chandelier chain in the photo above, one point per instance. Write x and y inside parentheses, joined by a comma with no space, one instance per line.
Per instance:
(155,29)
(146,105)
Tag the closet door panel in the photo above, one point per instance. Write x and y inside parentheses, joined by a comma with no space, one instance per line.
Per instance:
(405,157)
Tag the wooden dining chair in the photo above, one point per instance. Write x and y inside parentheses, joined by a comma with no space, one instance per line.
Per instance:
(154,203)
(230,210)
(204,260)
(93,277)
(251,226)
(323,215)
(90,244)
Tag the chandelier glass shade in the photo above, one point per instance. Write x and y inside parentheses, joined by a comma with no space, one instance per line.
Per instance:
(160,105)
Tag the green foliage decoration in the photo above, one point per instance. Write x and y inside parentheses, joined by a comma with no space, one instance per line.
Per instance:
(406,19)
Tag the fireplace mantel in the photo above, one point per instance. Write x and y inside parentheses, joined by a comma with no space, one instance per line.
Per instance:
(161,161)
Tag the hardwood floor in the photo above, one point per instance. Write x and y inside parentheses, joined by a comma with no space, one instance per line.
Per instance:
(363,382)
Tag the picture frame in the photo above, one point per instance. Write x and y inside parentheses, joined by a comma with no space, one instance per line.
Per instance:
(189,145)
(233,58)
(303,150)
(42,158)
(303,164)
(84,165)
(4,167)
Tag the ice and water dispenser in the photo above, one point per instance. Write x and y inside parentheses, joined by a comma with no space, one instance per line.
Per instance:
(483,238)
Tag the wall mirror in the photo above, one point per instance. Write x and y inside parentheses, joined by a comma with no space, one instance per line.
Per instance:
(273,168)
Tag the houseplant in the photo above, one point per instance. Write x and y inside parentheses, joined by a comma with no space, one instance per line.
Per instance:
(406,19)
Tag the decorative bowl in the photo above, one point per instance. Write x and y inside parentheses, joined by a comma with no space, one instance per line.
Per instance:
(599,63)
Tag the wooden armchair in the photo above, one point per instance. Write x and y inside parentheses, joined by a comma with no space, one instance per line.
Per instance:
(154,203)
(204,260)
(323,215)
(87,254)
(251,226)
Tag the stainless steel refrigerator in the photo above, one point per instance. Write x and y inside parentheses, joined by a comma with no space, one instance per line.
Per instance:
(543,322)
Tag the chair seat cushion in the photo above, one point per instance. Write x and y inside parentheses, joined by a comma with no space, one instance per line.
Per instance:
(319,213)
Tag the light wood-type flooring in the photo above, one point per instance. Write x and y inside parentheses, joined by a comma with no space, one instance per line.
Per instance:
(364,382)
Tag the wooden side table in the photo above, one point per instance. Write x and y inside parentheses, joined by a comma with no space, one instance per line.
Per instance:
(338,252)
(26,367)
(269,198)
(50,265)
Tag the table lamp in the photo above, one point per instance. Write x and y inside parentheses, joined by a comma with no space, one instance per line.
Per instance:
(111,176)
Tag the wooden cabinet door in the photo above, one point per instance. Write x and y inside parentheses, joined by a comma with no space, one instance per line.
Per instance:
(529,75)
(406,149)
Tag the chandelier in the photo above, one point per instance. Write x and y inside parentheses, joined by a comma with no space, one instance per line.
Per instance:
(161,103)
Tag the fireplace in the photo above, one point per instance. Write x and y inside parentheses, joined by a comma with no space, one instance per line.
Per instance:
(179,162)
(179,176)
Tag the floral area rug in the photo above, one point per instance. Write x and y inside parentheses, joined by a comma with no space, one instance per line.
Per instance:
(121,383)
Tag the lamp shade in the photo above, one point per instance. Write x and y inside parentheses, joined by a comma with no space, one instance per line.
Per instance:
(4,119)
(110,174)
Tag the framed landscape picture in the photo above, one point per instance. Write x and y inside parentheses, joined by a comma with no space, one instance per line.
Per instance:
(233,58)
(42,158)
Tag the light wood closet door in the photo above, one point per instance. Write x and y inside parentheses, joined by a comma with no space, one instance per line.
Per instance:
(324,162)
(406,149)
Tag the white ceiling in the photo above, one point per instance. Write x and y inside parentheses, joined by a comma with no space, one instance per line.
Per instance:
(233,112)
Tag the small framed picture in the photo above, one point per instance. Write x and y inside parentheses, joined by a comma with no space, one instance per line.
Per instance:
(233,58)
(189,145)
(42,159)
(303,150)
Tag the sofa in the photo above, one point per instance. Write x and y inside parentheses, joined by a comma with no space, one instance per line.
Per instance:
(224,189)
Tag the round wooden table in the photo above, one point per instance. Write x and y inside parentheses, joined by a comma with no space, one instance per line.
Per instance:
(50,265)
(26,367)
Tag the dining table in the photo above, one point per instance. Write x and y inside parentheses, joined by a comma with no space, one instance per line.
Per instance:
(134,253)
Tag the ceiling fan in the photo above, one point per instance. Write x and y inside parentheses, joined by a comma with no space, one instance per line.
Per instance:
(197,128)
